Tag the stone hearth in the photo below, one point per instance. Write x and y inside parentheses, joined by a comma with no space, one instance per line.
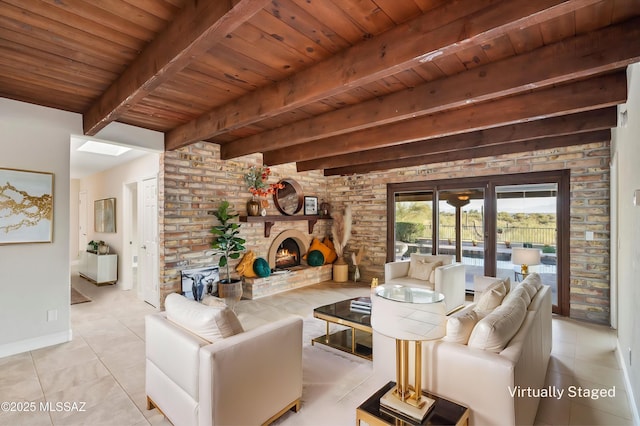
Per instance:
(301,276)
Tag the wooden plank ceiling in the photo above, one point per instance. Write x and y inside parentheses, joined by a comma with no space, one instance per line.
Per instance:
(341,85)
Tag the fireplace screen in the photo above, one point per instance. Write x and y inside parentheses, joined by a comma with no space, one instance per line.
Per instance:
(288,254)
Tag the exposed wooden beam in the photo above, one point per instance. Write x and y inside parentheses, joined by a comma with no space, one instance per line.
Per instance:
(595,93)
(199,26)
(511,148)
(556,126)
(442,31)
(571,59)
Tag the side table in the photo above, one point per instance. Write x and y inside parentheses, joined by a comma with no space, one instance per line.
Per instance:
(444,412)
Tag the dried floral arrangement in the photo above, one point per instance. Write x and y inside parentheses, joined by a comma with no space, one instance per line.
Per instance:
(341,232)
(256,180)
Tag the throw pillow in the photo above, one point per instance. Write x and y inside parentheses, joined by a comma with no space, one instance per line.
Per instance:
(328,253)
(315,258)
(208,322)
(460,326)
(491,298)
(245,268)
(493,332)
(421,269)
(261,267)
(531,290)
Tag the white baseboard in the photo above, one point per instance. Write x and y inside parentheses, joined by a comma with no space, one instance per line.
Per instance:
(35,343)
(627,384)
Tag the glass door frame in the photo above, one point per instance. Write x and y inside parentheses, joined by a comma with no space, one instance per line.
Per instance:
(489,183)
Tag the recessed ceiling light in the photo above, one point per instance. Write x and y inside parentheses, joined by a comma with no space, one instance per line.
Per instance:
(103,148)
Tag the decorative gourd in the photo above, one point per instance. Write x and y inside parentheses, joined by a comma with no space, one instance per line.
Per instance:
(315,258)
(261,267)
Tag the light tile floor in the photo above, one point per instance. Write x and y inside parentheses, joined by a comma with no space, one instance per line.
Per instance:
(102,370)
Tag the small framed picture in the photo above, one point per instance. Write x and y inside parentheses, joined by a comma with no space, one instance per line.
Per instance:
(310,205)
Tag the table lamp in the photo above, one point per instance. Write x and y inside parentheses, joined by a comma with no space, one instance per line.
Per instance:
(525,257)
(408,314)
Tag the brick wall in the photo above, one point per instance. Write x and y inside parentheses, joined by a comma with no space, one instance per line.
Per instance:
(589,165)
(194,180)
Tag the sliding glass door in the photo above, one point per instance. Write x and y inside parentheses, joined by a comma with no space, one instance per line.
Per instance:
(482,220)
(527,217)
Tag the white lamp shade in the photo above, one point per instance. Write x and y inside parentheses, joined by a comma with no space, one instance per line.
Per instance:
(525,256)
(420,317)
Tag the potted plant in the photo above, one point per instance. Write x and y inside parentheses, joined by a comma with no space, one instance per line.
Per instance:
(229,246)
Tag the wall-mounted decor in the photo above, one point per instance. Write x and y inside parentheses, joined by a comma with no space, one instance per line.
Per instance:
(288,197)
(310,205)
(104,214)
(26,206)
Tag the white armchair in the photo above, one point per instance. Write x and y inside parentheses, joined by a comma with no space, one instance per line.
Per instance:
(448,279)
(249,378)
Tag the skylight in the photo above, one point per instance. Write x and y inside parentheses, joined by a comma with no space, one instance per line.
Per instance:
(103,148)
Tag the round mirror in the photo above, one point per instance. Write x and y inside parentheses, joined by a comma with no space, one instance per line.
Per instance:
(288,200)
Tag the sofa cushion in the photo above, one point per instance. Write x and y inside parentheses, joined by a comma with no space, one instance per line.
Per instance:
(413,282)
(460,326)
(211,323)
(421,269)
(493,332)
(491,298)
(519,291)
(534,279)
(529,288)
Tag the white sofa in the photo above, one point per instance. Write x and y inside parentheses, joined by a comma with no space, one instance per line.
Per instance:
(248,378)
(483,378)
(448,279)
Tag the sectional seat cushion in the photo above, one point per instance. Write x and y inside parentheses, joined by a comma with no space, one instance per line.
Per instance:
(210,323)
(493,332)
(460,325)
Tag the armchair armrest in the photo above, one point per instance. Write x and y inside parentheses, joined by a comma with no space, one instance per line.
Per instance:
(396,270)
(249,377)
(450,281)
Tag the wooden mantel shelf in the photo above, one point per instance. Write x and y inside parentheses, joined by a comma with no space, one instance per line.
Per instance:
(270,220)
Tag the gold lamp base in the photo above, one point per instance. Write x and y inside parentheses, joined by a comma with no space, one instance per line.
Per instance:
(415,407)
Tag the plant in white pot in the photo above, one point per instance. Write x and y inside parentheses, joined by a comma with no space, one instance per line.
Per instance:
(341,231)
(228,245)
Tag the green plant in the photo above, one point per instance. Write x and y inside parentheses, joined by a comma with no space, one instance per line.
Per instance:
(548,249)
(226,243)
(409,232)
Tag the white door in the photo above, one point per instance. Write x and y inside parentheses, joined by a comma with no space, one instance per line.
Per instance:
(148,259)
(82,222)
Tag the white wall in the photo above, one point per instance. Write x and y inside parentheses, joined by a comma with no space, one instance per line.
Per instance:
(110,183)
(34,278)
(626,145)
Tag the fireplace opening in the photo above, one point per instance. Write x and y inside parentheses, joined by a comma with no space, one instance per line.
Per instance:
(288,254)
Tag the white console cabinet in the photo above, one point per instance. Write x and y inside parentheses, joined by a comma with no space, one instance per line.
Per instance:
(99,268)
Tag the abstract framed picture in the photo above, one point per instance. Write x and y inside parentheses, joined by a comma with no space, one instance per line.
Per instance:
(104,215)
(26,206)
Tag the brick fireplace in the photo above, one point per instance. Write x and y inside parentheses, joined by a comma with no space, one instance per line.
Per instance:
(284,279)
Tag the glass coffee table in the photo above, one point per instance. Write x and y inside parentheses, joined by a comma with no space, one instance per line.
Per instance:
(356,338)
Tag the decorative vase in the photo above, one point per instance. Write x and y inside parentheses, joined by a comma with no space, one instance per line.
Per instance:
(253,207)
(340,271)
(356,274)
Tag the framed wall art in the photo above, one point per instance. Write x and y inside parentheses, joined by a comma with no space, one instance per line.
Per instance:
(26,206)
(104,212)
(310,205)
